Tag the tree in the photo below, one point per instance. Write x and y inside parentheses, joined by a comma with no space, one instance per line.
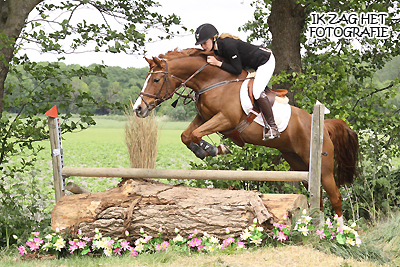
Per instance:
(339,72)
(55,26)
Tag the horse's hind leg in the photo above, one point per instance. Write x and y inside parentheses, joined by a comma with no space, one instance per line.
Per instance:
(327,178)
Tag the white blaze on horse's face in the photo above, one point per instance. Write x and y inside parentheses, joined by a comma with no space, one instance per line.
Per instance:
(140,108)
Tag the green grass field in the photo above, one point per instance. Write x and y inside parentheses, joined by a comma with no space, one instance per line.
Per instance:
(103,145)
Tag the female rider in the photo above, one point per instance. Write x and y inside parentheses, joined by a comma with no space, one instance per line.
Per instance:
(240,55)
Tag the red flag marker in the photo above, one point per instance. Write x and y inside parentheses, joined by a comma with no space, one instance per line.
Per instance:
(52,112)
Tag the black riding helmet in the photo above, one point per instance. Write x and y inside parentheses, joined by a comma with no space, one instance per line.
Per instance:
(205,32)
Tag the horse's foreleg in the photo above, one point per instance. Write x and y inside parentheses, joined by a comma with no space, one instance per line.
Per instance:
(216,124)
(187,140)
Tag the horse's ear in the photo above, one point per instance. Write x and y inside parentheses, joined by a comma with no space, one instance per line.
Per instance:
(150,61)
(158,62)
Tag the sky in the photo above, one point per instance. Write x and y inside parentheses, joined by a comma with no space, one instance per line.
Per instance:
(225,15)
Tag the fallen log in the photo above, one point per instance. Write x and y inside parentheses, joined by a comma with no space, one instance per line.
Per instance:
(150,205)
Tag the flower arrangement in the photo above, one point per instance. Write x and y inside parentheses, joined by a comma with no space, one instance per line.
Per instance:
(329,231)
(252,236)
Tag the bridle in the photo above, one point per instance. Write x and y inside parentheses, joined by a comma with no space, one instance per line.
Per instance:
(168,95)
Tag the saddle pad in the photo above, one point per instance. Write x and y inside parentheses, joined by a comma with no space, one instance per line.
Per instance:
(282,111)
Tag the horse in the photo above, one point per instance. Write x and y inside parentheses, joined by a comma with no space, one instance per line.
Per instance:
(219,110)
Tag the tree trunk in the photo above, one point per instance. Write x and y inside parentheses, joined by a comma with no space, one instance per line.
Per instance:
(149,205)
(13,14)
(285,22)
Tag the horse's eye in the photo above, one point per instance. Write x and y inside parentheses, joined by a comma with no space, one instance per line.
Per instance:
(156,80)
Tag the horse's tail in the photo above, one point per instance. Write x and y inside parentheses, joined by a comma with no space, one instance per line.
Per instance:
(345,142)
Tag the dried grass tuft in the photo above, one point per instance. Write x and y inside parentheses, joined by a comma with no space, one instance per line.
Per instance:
(141,140)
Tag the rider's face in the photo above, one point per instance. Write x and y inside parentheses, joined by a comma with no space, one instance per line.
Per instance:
(207,45)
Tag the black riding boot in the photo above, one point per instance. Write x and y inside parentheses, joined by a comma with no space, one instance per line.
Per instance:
(266,109)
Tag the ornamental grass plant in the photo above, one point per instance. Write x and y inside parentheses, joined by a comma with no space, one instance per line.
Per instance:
(141,139)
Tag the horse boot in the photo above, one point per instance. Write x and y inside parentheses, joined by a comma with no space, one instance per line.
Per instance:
(266,109)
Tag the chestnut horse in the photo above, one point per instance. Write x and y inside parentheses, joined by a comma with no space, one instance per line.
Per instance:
(219,110)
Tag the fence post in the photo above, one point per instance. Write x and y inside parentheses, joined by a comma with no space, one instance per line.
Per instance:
(56,152)
(314,184)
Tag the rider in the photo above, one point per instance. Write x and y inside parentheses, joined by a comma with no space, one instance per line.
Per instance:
(240,55)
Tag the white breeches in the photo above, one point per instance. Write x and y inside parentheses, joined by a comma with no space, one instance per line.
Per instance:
(263,75)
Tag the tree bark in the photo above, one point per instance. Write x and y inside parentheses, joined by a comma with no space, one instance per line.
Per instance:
(149,205)
(285,22)
(13,14)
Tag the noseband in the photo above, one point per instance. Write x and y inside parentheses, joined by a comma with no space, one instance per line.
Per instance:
(158,100)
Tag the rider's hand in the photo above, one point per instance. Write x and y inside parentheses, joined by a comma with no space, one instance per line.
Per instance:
(213,61)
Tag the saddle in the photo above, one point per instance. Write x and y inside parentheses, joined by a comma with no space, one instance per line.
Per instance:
(272,95)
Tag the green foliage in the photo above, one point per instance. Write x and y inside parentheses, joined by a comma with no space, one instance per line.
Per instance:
(341,75)
(249,157)
(33,88)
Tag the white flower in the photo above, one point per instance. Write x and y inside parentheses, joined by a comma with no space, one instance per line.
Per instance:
(176,230)
(260,229)
(256,241)
(107,252)
(308,219)
(303,230)
(255,221)
(358,242)
(48,237)
(350,241)
(304,212)
(210,248)
(245,235)
(214,240)
(60,243)
(139,247)
(178,238)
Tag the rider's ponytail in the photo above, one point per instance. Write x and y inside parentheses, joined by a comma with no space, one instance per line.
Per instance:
(224,35)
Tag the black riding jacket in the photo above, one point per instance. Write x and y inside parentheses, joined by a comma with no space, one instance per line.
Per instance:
(240,55)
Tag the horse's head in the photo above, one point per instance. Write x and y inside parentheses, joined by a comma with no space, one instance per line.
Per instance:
(161,82)
(158,87)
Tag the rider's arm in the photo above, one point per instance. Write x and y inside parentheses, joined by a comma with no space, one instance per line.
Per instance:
(231,54)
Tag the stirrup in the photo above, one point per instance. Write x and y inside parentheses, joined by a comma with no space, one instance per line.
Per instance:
(269,135)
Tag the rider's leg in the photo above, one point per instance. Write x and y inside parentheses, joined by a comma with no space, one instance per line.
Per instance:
(263,75)
(266,109)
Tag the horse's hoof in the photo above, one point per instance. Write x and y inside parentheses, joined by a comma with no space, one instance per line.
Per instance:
(224,149)
(212,150)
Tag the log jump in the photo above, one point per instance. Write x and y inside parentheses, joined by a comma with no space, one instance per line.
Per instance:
(170,202)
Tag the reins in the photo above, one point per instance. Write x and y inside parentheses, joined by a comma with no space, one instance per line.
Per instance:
(159,100)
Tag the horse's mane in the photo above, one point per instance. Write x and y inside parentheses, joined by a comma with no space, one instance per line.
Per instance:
(188,52)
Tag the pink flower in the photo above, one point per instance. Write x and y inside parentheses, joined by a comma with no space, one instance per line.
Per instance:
(126,233)
(110,243)
(36,233)
(22,250)
(241,244)
(33,246)
(227,242)
(81,244)
(321,233)
(38,240)
(117,251)
(195,242)
(281,236)
(162,246)
(134,253)
(87,239)
(199,248)
(147,238)
(72,246)
(124,244)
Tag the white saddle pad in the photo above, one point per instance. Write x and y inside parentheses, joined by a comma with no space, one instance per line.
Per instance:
(282,111)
